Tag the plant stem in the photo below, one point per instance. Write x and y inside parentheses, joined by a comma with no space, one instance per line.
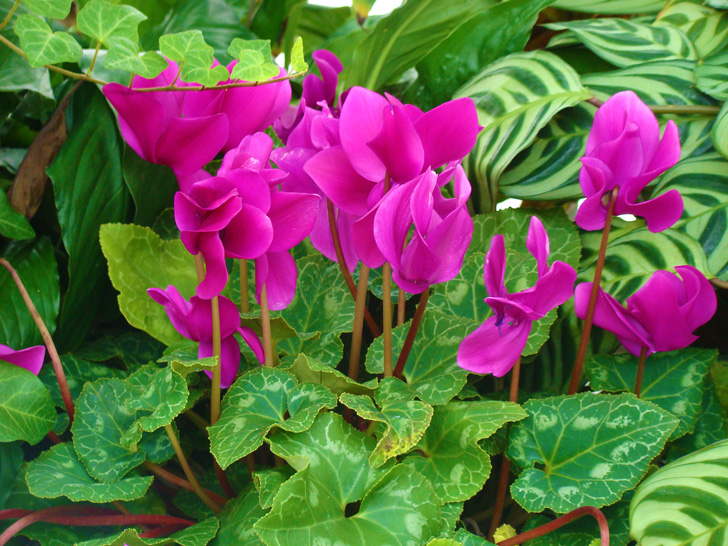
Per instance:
(560,522)
(586,329)
(47,339)
(162,531)
(412,332)
(265,324)
(33,517)
(371,324)
(244,302)
(500,498)
(199,422)
(359,309)
(698,109)
(180,482)
(10,14)
(216,391)
(401,303)
(640,372)
(200,267)
(387,304)
(93,61)
(188,471)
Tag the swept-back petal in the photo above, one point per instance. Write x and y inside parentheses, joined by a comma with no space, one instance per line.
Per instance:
(177,308)
(489,349)
(229,359)
(537,243)
(216,274)
(660,213)
(494,269)
(31,358)
(550,291)
(278,271)
(398,145)
(361,121)
(700,302)
(249,234)
(448,132)
(189,144)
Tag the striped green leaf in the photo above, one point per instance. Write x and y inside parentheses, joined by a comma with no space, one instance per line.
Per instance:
(720,131)
(685,503)
(703,183)
(516,96)
(627,43)
(712,76)
(611,6)
(707,28)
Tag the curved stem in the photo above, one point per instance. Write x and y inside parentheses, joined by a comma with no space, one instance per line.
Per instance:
(412,332)
(33,517)
(560,522)
(10,14)
(265,325)
(697,109)
(188,471)
(47,339)
(244,302)
(586,329)
(180,482)
(640,372)
(93,61)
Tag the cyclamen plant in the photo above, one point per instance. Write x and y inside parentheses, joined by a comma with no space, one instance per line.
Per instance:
(287,215)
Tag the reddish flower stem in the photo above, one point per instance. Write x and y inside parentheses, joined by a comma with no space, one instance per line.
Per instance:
(47,339)
(359,310)
(244,302)
(180,482)
(401,303)
(371,324)
(412,332)
(216,391)
(500,498)
(265,326)
(163,531)
(560,522)
(586,329)
(640,372)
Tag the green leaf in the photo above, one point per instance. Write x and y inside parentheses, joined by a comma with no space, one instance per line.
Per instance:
(253,58)
(673,381)
(720,132)
(310,370)
(450,513)
(26,407)
(331,459)
(160,398)
(13,225)
(237,520)
(11,459)
(684,502)
(297,62)
(199,534)
(431,370)
(405,420)
(89,191)
(488,34)
(123,54)
(612,440)
(317,23)
(42,45)
(402,38)
(710,427)
(36,266)
(131,347)
(712,76)
(78,372)
(269,481)
(257,402)
(516,96)
(611,6)
(165,263)
(59,473)
(55,9)
(451,458)
(189,47)
(468,539)
(102,21)
(189,503)
(706,28)
(627,43)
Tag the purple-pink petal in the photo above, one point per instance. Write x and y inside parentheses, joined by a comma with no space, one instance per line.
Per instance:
(190,143)
(293,216)
(277,270)
(249,234)
(216,274)
(31,358)
(494,269)
(490,349)
(361,121)
(537,243)
(398,146)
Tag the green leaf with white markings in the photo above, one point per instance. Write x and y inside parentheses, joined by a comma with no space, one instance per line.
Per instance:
(707,28)
(451,458)
(13,225)
(259,401)
(431,369)
(611,6)
(405,420)
(166,263)
(307,369)
(78,372)
(269,481)
(102,20)
(59,473)
(397,505)
(713,77)
(627,43)
(26,407)
(674,380)
(516,96)
(189,47)
(720,131)
(611,441)
(161,396)
(55,9)
(710,427)
(237,520)
(199,534)
(42,45)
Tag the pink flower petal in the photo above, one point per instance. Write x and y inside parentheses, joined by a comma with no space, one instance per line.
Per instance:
(31,358)
(188,144)
(248,235)
(361,121)
(448,132)
(492,350)
(293,216)
(537,243)
(278,271)
(398,146)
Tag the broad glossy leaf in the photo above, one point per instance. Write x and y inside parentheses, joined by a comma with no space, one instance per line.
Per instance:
(431,369)
(237,520)
(516,96)
(13,225)
(468,539)
(259,401)
(189,47)
(684,502)
(612,440)
(89,191)
(59,473)
(707,28)
(55,9)
(404,420)
(78,372)
(310,370)
(397,505)
(131,347)
(165,263)
(674,381)
(160,397)
(710,427)
(123,54)
(450,516)
(189,503)
(42,45)
(611,6)
(317,23)
(627,43)
(451,458)
(102,21)
(269,481)
(11,459)
(712,76)
(26,407)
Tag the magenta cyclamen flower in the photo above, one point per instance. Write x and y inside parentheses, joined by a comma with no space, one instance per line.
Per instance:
(495,346)
(624,149)
(661,315)
(193,319)
(31,358)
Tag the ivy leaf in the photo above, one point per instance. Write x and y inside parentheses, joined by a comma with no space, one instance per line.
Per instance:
(102,20)
(452,459)
(257,402)
(58,472)
(297,62)
(333,472)
(405,421)
(123,54)
(431,368)
(13,225)
(311,370)
(254,60)
(189,47)
(27,411)
(673,380)
(166,262)
(237,520)
(612,441)
(55,9)
(42,45)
